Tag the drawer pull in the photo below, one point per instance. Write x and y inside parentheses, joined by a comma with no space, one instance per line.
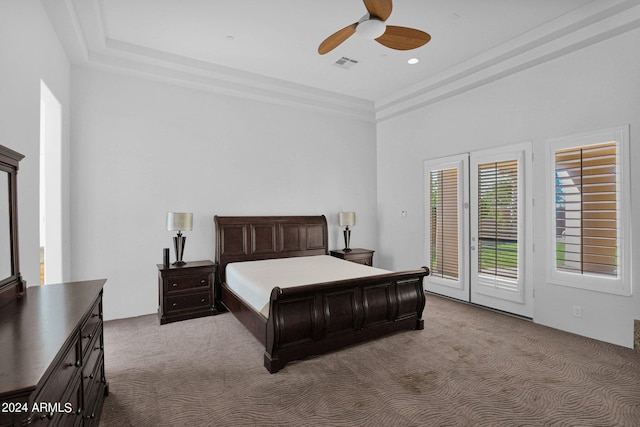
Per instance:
(203,281)
(47,416)
(175,285)
(95,315)
(175,304)
(90,376)
(99,348)
(90,417)
(202,300)
(88,336)
(76,364)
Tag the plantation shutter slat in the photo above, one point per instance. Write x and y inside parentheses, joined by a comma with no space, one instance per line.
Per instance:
(444,223)
(498,219)
(586,209)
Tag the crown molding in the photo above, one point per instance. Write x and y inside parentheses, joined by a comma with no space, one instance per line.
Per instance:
(597,21)
(80,27)
(139,61)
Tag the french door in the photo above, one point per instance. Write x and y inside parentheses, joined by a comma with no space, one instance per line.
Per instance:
(478,228)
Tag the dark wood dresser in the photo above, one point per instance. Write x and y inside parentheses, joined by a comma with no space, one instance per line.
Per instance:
(52,356)
(186,291)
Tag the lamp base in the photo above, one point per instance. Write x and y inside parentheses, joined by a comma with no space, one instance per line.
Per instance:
(347,238)
(178,243)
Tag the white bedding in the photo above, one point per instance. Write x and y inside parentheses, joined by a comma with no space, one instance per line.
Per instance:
(254,280)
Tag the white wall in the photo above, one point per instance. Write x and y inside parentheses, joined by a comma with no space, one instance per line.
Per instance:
(141,148)
(595,88)
(30,52)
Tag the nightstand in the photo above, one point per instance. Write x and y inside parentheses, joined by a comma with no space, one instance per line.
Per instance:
(359,255)
(186,291)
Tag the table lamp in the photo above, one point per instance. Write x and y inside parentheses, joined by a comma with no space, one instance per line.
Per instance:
(347,219)
(179,221)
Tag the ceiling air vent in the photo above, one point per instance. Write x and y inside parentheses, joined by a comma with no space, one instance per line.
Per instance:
(345,63)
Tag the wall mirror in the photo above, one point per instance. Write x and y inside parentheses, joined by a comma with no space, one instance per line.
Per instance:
(11,284)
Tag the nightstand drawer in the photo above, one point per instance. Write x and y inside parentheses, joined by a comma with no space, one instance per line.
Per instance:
(357,255)
(366,260)
(181,283)
(188,302)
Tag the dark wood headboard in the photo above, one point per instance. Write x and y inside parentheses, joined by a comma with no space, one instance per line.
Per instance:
(249,238)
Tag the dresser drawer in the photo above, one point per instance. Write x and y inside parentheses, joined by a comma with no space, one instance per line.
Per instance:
(181,283)
(52,401)
(188,302)
(65,412)
(90,327)
(72,415)
(93,397)
(91,360)
(61,376)
(93,387)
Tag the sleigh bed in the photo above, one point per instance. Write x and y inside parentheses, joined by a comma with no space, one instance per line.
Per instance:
(308,319)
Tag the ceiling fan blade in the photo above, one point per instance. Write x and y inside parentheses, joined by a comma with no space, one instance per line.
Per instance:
(379,8)
(335,39)
(403,38)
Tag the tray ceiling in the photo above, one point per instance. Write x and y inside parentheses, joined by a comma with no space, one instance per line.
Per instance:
(268,50)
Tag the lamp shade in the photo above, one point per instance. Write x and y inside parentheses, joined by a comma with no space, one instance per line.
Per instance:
(179,221)
(347,219)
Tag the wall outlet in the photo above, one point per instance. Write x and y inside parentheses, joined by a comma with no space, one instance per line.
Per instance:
(577,311)
(403,214)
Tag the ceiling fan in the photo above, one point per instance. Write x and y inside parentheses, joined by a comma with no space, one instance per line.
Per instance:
(372,26)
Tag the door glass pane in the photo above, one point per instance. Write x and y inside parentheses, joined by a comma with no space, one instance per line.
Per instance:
(444,223)
(498,219)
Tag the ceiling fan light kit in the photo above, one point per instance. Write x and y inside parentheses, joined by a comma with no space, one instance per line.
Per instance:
(373,27)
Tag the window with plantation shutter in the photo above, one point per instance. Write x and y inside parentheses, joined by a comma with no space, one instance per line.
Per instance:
(586,209)
(498,219)
(443,185)
(590,211)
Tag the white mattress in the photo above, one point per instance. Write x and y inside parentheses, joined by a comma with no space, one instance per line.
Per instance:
(254,280)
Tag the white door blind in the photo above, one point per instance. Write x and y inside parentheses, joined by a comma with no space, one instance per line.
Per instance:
(444,223)
(498,219)
(586,209)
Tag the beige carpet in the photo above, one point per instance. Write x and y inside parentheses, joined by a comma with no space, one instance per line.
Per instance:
(469,366)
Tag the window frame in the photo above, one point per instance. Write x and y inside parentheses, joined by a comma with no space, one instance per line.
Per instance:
(621,284)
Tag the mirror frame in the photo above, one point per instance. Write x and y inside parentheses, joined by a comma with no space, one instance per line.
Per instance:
(13,286)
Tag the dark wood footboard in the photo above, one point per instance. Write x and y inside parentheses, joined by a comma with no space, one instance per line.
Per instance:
(312,319)
(315,319)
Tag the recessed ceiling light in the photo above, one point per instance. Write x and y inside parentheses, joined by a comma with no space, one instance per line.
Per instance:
(413,61)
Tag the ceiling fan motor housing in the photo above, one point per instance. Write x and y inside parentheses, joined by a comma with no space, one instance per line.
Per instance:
(371,28)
